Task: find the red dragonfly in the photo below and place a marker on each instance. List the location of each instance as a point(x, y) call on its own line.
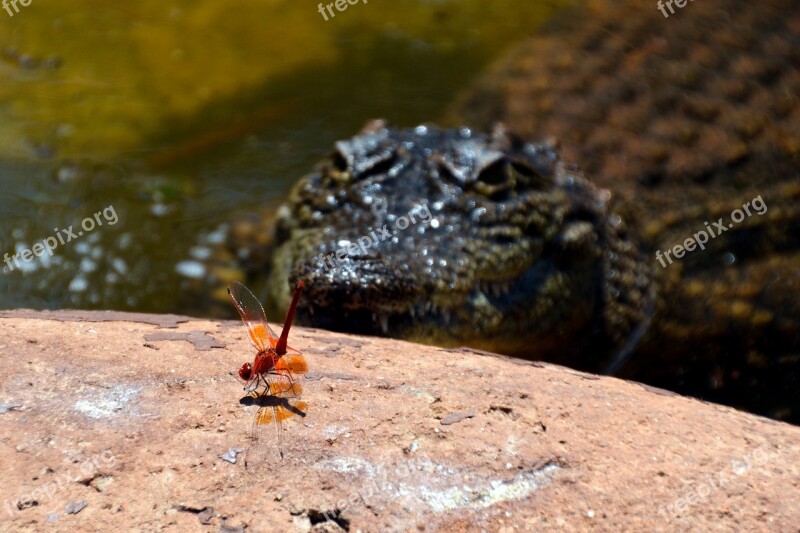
point(274, 381)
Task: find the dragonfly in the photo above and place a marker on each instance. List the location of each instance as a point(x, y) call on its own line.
point(274, 380)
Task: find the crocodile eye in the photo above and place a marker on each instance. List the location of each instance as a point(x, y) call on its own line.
point(495, 174)
point(523, 169)
point(495, 180)
point(527, 176)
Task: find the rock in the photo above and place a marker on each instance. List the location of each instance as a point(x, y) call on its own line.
point(74, 507)
point(387, 443)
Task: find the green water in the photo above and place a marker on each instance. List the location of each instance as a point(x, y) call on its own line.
point(179, 117)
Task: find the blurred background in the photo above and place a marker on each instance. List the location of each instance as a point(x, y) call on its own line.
point(185, 116)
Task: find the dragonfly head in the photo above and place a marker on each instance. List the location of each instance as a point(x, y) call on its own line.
point(246, 371)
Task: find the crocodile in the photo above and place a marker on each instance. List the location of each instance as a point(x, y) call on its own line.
point(650, 131)
point(516, 253)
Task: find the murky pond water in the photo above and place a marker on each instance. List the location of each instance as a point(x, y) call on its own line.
point(167, 120)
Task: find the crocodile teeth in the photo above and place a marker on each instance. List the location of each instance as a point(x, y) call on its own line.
point(446, 315)
point(495, 289)
point(384, 318)
point(413, 312)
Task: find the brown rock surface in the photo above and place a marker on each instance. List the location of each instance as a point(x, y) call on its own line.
point(110, 423)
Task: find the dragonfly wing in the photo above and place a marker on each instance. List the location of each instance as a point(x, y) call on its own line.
point(290, 409)
point(263, 438)
point(279, 413)
point(273, 408)
point(285, 387)
point(291, 363)
point(249, 308)
point(273, 412)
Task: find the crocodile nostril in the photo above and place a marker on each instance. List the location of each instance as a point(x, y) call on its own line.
point(339, 162)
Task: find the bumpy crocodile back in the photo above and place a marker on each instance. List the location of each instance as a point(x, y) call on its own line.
point(710, 92)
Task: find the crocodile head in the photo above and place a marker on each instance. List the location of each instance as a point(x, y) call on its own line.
point(454, 237)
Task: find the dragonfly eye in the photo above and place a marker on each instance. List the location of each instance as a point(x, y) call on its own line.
point(246, 371)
